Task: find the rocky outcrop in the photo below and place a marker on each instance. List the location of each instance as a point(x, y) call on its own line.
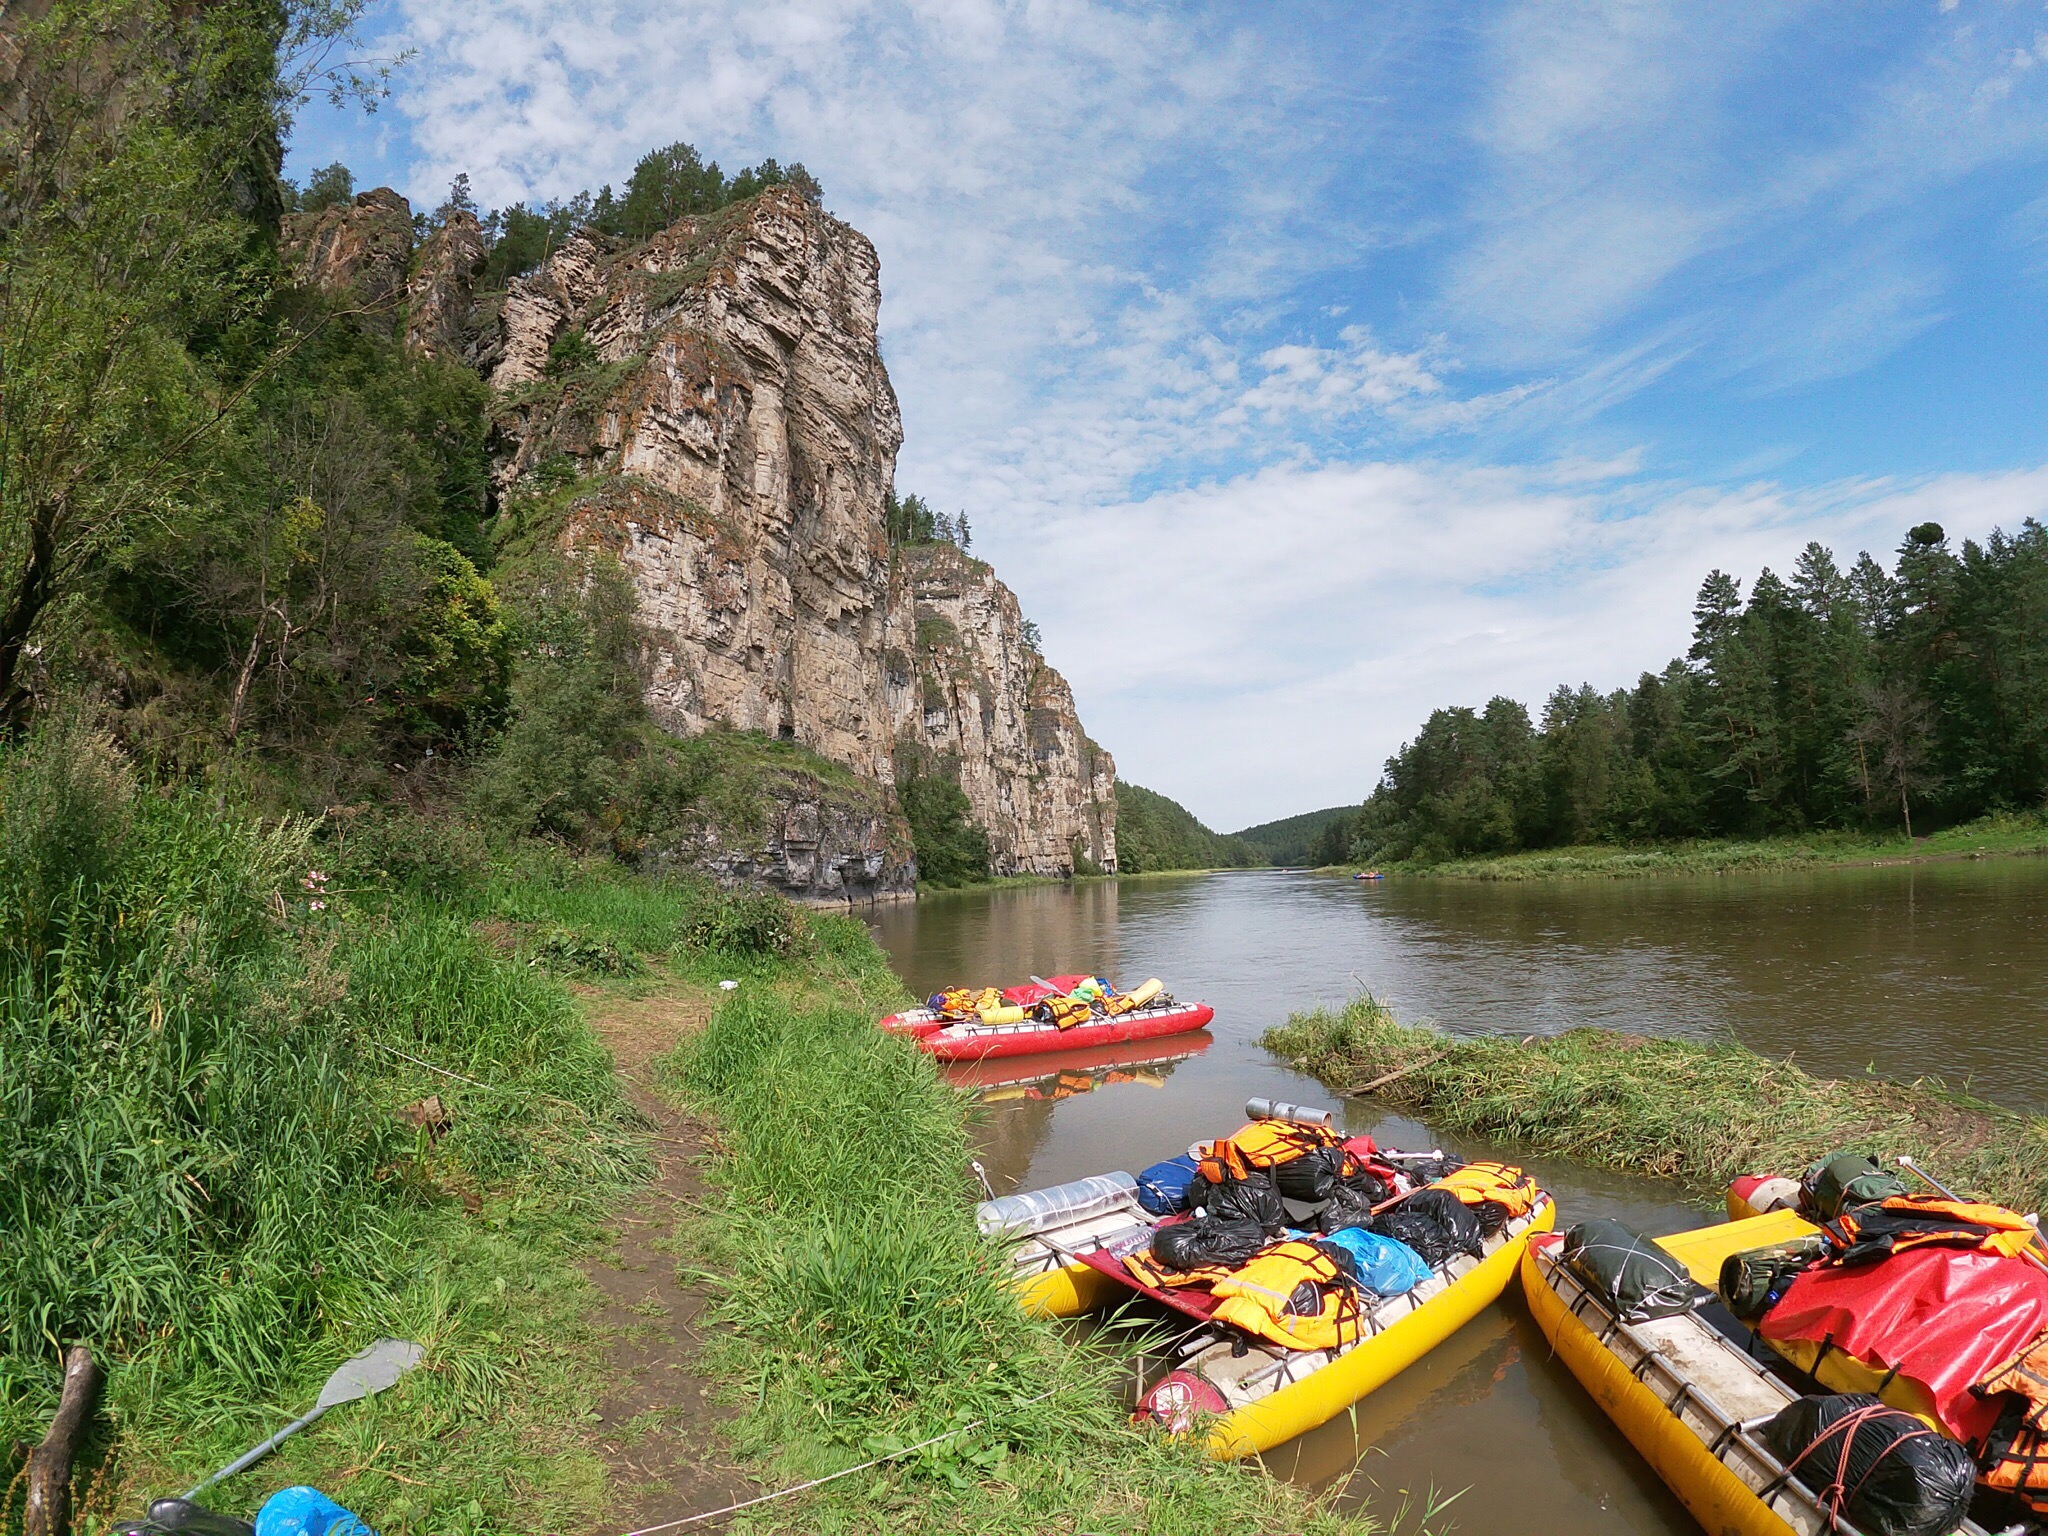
point(812, 839)
point(358, 251)
point(710, 407)
point(988, 706)
point(439, 289)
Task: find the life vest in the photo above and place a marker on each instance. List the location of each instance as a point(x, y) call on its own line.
point(1868, 1233)
point(966, 1002)
point(1221, 1161)
point(1494, 1183)
point(1268, 1144)
point(2014, 1456)
point(1066, 1012)
point(1150, 1271)
point(1294, 1294)
point(1124, 1002)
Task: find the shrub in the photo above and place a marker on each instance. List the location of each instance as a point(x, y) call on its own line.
point(749, 923)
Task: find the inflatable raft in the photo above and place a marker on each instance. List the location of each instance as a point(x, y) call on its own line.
point(1686, 1396)
point(1244, 1395)
point(1232, 1380)
point(975, 1040)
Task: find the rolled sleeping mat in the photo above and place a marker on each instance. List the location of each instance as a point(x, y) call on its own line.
point(1297, 1114)
point(1146, 991)
point(1036, 1210)
point(1010, 1014)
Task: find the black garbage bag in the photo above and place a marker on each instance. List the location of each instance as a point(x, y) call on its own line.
point(1882, 1470)
point(1186, 1245)
point(1311, 1177)
point(1836, 1184)
point(1435, 1223)
point(1424, 1167)
point(1348, 1207)
point(1636, 1278)
point(1251, 1198)
point(1754, 1281)
point(1364, 1181)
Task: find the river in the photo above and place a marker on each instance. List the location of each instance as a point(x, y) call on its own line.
point(1939, 968)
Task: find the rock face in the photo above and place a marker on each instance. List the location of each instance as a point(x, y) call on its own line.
point(710, 407)
point(438, 289)
point(359, 251)
point(989, 707)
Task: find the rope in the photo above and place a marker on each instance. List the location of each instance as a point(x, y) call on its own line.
point(816, 1482)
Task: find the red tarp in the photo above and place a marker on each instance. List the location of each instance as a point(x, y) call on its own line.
point(1942, 1317)
point(1196, 1301)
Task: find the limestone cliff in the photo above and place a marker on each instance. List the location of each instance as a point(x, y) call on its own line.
point(359, 251)
point(1003, 721)
point(710, 406)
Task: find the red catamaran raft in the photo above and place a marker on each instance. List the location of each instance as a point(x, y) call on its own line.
point(1025, 1020)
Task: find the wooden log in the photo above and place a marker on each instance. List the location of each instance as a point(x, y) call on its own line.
point(49, 1465)
point(1360, 1089)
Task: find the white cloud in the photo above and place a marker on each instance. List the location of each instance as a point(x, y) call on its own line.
point(1272, 640)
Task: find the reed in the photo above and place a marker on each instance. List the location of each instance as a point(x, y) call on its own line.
point(1699, 1112)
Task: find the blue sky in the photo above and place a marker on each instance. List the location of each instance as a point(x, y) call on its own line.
point(1306, 367)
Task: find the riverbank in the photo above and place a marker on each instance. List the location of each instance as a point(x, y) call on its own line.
point(1701, 1114)
point(860, 1312)
point(1988, 837)
point(633, 1311)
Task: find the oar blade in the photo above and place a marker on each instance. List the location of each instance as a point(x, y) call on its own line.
point(371, 1371)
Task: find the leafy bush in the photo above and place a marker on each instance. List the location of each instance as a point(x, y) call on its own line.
point(389, 847)
point(749, 923)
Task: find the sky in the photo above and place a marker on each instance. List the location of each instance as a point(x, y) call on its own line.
point(1305, 368)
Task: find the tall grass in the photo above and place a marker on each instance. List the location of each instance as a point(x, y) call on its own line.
point(203, 1049)
point(1700, 1112)
point(866, 1313)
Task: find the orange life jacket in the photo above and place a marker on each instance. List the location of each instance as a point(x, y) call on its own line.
point(1500, 1183)
point(2014, 1456)
point(1066, 1012)
point(1866, 1233)
point(1220, 1162)
point(1151, 1272)
point(1268, 1296)
point(1270, 1143)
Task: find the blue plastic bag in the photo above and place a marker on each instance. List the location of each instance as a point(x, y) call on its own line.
point(1385, 1267)
point(306, 1511)
point(1163, 1188)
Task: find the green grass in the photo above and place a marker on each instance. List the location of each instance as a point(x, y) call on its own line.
point(865, 1313)
point(208, 1179)
point(1986, 837)
point(1700, 1113)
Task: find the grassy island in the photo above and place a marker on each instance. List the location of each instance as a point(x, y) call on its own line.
point(1700, 1113)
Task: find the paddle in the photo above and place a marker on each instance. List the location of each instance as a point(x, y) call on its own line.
point(360, 1376)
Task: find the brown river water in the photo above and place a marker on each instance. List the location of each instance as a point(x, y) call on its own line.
point(1903, 971)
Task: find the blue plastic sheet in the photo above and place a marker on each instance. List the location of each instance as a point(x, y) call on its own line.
point(1385, 1267)
point(306, 1511)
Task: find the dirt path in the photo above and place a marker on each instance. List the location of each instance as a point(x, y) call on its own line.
point(659, 1416)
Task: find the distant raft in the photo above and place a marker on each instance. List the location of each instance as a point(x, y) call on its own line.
point(1059, 1013)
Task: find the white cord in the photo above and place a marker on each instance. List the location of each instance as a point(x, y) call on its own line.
point(783, 1493)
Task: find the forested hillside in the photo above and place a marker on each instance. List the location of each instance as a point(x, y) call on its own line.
point(1296, 839)
point(1154, 833)
point(1908, 698)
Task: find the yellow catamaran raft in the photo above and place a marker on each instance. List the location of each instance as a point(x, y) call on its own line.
point(1691, 1400)
point(1288, 1337)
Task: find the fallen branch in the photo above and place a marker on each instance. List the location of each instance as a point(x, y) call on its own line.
point(49, 1465)
point(1361, 1089)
